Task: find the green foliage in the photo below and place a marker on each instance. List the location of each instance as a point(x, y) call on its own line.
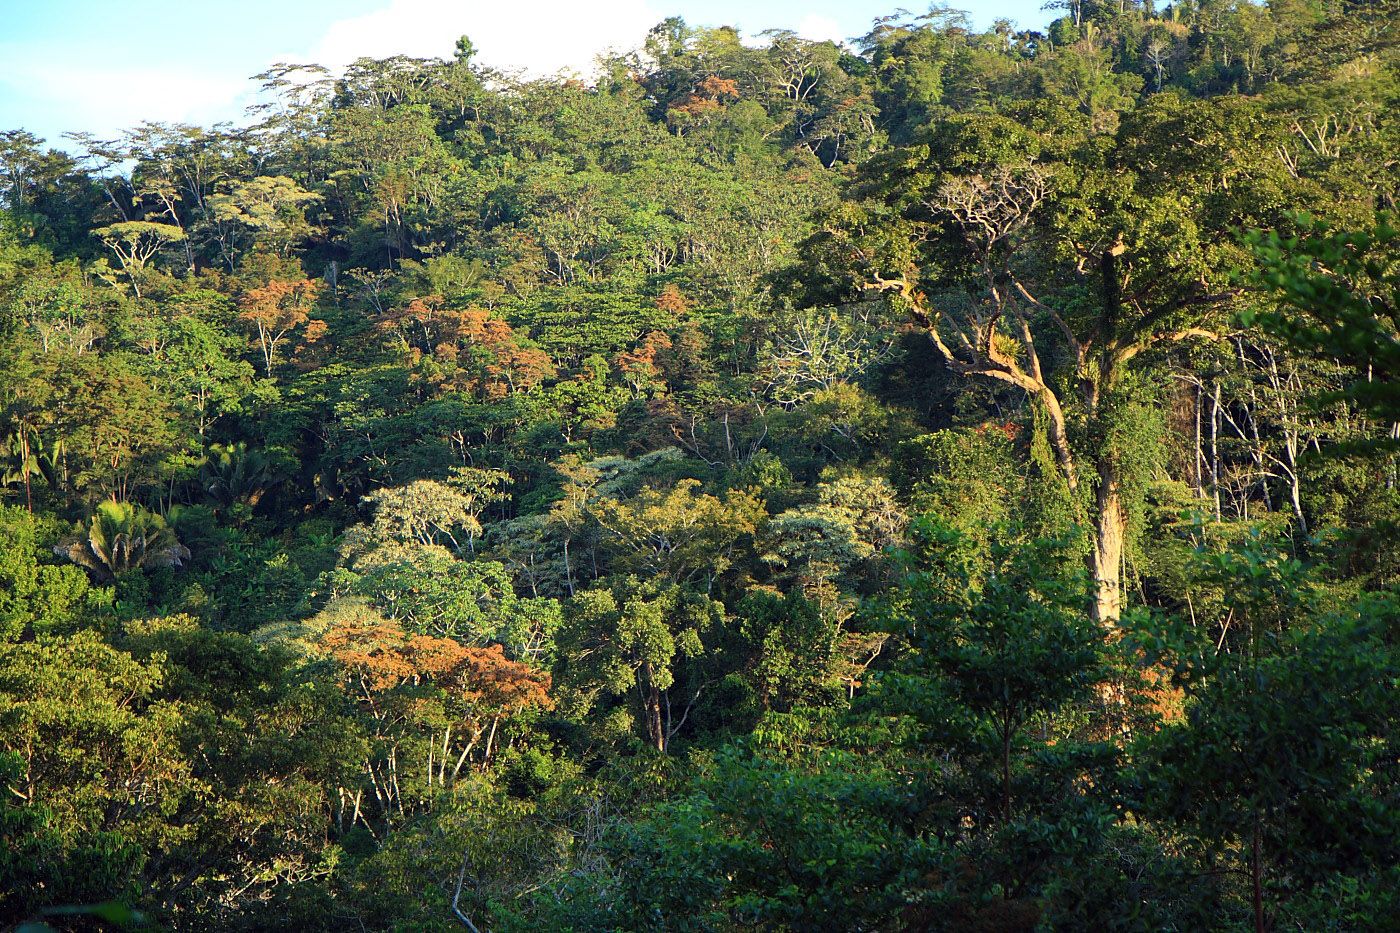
point(496, 499)
point(1275, 766)
point(636, 638)
point(77, 713)
point(1341, 290)
point(1004, 643)
point(233, 475)
point(794, 650)
point(681, 534)
point(37, 597)
point(434, 593)
point(760, 841)
point(121, 538)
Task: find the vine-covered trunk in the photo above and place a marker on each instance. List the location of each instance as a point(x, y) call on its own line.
point(1109, 520)
point(656, 732)
point(1106, 559)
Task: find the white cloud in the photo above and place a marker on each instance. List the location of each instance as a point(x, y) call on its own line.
point(540, 36)
point(820, 28)
point(106, 98)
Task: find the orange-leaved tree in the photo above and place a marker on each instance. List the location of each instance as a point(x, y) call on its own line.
point(276, 310)
point(474, 351)
point(431, 702)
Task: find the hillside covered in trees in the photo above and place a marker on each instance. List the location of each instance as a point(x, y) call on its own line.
point(947, 482)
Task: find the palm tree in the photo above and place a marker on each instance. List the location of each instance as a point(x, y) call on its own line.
point(122, 537)
point(23, 457)
point(232, 474)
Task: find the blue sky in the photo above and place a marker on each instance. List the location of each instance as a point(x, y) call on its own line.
point(102, 65)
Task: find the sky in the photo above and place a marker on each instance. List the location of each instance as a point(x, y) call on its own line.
point(100, 66)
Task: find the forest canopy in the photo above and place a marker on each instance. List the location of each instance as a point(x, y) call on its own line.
point(942, 481)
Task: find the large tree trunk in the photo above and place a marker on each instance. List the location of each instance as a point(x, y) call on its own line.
point(1058, 436)
point(1110, 522)
point(1109, 519)
point(1106, 560)
point(656, 733)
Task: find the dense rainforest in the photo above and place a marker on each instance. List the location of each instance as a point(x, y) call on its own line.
point(946, 482)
